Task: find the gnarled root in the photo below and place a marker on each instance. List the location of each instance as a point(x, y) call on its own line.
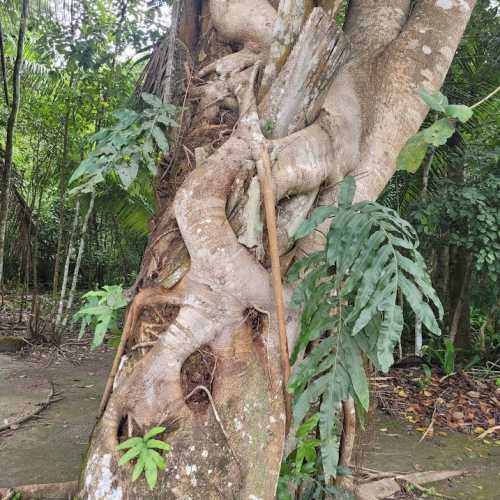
point(222, 283)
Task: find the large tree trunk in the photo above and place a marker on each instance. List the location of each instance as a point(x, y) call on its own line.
point(336, 104)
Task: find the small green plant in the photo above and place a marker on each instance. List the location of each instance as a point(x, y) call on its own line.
point(443, 353)
point(268, 127)
point(437, 134)
point(349, 297)
point(304, 463)
point(126, 146)
point(144, 451)
point(427, 378)
point(101, 311)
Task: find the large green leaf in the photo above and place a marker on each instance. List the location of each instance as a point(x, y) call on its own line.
point(318, 216)
point(413, 153)
point(439, 132)
point(435, 100)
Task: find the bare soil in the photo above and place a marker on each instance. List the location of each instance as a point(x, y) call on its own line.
point(396, 447)
point(48, 448)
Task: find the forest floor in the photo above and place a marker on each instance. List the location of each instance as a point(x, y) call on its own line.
point(50, 448)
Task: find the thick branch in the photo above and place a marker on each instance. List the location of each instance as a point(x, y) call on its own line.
point(372, 24)
point(244, 21)
point(298, 93)
point(419, 57)
point(292, 15)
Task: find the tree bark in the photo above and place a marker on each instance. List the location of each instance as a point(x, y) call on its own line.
point(3, 68)
point(81, 248)
point(11, 125)
point(199, 285)
point(62, 192)
point(60, 307)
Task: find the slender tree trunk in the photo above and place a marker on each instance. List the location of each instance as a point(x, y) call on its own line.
point(460, 322)
point(9, 142)
point(3, 68)
point(81, 248)
point(62, 192)
point(341, 102)
point(423, 195)
point(60, 307)
point(35, 305)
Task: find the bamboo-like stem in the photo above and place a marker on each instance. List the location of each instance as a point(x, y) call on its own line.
point(78, 259)
point(264, 172)
point(66, 269)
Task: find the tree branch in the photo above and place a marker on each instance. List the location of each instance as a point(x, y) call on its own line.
point(372, 24)
point(244, 21)
point(297, 94)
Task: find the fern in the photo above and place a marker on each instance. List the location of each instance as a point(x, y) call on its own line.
point(348, 292)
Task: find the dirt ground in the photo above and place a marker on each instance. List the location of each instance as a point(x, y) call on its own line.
point(396, 446)
point(50, 448)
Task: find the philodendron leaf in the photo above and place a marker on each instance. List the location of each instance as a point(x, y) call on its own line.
point(318, 216)
point(130, 443)
point(132, 453)
point(412, 155)
point(151, 470)
point(159, 445)
point(434, 100)
point(347, 190)
point(138, 469)
point(158, 459)
point(459, 111)
point(152, 100)
point(439, 132)
point(160, 139)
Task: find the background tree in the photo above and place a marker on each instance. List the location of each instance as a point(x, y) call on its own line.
point(11, 124)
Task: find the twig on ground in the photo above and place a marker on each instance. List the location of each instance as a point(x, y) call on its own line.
point(489, 431)
point(13, 424)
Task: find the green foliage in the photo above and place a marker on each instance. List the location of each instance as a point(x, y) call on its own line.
point(413, 153)
point(303, 464)
point(144, 450)
point(126, 146)
point(443, 353)
point(101, 311)
point(348, 294)
point(466, 216)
